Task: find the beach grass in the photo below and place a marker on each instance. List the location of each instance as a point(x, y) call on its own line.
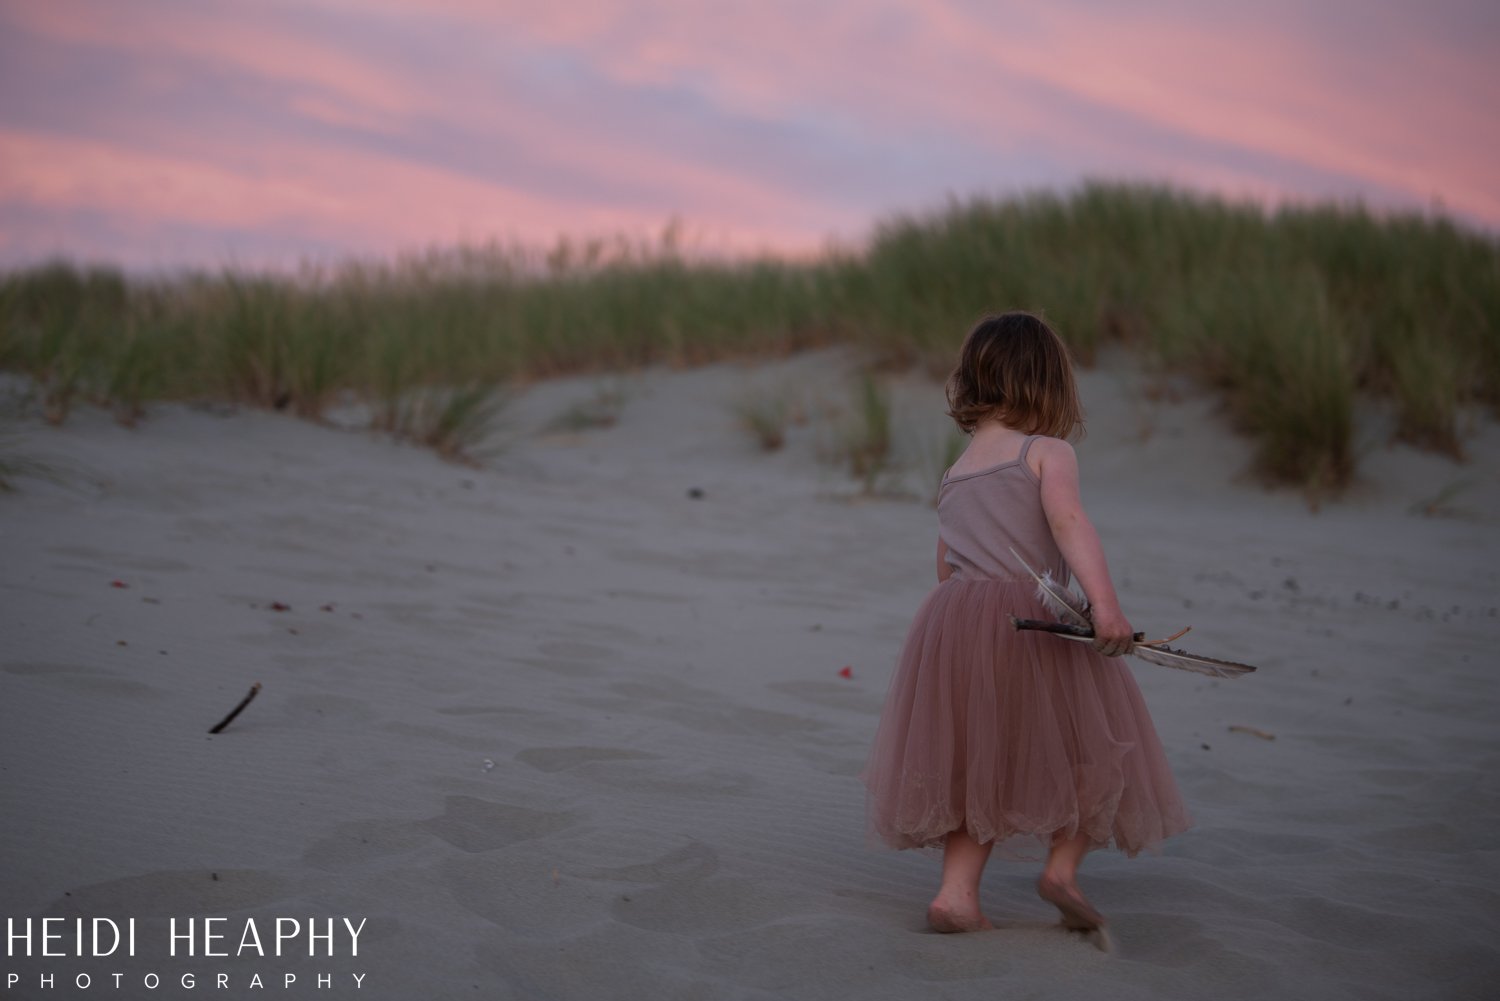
point(602, 410)
point(866, 439)
point(455, 422)
point(16, 463)
point(764, 415)
point(1289, 314)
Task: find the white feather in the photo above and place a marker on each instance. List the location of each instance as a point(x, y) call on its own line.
point(1060, 601)
point(1074, 610)
point(1184, 661)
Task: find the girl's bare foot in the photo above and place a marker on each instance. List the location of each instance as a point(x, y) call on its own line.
point(1077, 913)
point(956, 906)
point(954, 916)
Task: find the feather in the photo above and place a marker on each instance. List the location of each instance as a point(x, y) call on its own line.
point(1182, 660)
point(1077, 625)
point(1152, 653)
point(1059, 600)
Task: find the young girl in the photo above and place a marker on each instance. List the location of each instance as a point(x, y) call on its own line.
point(994, 736)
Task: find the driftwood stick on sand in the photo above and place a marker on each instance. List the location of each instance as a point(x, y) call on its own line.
point(237, 709)
point(1251, 730)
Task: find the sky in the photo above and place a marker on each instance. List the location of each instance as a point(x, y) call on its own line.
point(160, 134)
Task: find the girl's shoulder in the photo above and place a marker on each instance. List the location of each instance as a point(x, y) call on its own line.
point(1048, 444)
point(1043, 449)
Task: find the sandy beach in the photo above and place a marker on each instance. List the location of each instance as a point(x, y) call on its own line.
point(576, 723)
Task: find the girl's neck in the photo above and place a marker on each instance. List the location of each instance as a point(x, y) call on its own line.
point(991, 444)
point(993, 428)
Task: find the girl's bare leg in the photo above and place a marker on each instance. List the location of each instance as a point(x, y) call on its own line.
point(1058, 884)
point(956, 906)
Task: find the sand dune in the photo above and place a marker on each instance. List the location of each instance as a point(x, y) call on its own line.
point(573, 725)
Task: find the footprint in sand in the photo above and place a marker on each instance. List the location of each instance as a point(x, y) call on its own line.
point(469, 824)
point(477, 825)
point(698, 908)
point(691, 862)
point(684, 894)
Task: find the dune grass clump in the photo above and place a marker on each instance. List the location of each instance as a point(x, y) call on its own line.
point(602, 410)
point(15, 464)
point(1273, 346)
point(1427, 407)
point(765, 416)
point(1321, 302)
point(278, 345)
point(1404, 307)
point(866, 444)
point(454, 422)
point(1420, 303)
point(52, 316)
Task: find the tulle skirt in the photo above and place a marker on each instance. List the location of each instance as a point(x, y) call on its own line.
point(1018, 737)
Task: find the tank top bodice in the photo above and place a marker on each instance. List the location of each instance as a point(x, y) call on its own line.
point(984, 514)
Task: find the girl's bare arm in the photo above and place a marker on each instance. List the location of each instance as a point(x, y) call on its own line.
point(944, 571)
point(1080, 545)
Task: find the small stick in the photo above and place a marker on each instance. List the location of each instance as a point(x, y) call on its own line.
point(237, 709)
point(1253, 731)
point(1062, 628)
point(1071, 631)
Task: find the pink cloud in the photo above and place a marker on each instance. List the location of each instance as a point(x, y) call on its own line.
point(220, 33)
point(1270, 90)
point(357, 198)
point(1396, 111)
point(326, 195)
point(524, 120)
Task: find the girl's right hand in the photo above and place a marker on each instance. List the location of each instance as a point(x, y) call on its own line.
point(1112, 633)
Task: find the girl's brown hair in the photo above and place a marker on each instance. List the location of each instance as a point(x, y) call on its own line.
point(1015, 368)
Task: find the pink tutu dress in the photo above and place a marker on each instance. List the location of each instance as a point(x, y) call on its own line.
point(1016, 736)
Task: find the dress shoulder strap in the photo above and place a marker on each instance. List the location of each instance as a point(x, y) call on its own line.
point(1026, 447)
